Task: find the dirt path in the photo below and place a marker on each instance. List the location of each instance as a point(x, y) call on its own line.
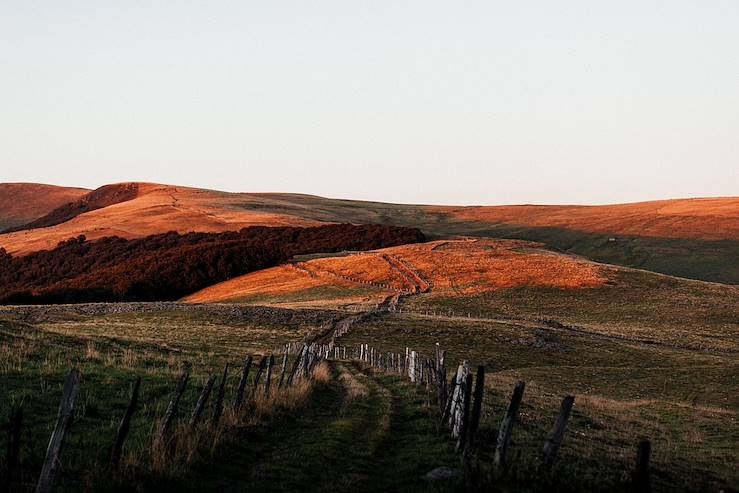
point(359, 432)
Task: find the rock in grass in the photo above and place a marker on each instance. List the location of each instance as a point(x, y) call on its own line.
point(441, 474)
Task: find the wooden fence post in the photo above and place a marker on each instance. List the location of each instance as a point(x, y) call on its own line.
point(242, 383)
point(296, 364)
point(202, 400)
point(258, 377)
point(63, 421)
point(14, 448)
point(506, 426)
point(458, 398)
point(171, 411)
point(554, 442)
point(218, 408)
point(477, 406)
point(268, 376)
point(642, 482)
point(283, 370)
point(115, 451)
point(441, 397)
point(449, 398)
point(464, 426)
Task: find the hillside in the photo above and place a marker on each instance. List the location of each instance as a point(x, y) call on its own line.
point(444, 268)
point(692, 238)
point(154, 209)
point(21, 203)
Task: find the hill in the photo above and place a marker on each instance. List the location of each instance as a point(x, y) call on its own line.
point(692, 238)
point(147, 209)
point(459, 267)
point(23, 202)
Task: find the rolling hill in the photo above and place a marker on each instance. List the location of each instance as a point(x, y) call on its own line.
point(692, 238)
point(460, 267)
point(21, 203)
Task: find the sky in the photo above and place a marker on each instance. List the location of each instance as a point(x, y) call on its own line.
point(474, 102)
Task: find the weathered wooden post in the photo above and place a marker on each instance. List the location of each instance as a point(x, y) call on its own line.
point(412, 366)
point(642, 481)
point(243, 381)
point(258, 377)
point(268, 376)
point(282, 371)
point(171, 411)
point(441, 397)
point(477, 406)
point(14, 448)
point(464, 425)
point(63, 421)
point(506, 426)
point(458, 398)
point(446, 415)
point(296, 364)
point(200, 405)
point(125, 425)
point(218, 408)
point(554, 442)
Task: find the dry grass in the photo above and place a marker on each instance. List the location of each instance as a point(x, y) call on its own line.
point(455, 267)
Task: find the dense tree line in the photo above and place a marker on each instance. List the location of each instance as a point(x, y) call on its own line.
point(168, 266)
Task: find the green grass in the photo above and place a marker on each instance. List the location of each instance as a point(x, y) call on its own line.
point(684, 400)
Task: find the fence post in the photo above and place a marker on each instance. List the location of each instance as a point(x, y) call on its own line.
point(477, 406)
point(295, 365)
point(554, 442)
point(449, 398)
point(464, 426)
point(115, 452)
point(174, 402)
point(242, 382)
point(457, 398)
point(14, 448)
point(283, 370)
point(642, 482)
point(218, 409)
point(268, 376)
point(200, 405)
point(63, 421)
point(506, 426)
point(258, 377)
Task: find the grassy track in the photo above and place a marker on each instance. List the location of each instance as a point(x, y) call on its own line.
point(357, 432)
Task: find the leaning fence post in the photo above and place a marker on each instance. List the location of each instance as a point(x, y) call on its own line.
point(242, 383)
point(63, 421)
point(200, 405)
point(14, 448)
point(172, 407)
point(115, 452)
point(268, 376)
point(554, 442)
point(464, 425)
point(218, 409)
point(477, 406)
point(258, 377)
point(282, 372)
point(642, 483)
point(296, 363)
point(449, 398)
point(506, 426)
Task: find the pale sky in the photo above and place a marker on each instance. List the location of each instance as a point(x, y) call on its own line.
point(469, 102)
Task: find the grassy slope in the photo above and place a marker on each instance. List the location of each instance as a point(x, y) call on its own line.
point(709, 260)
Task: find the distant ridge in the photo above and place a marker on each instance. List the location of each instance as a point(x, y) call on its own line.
point(21, 203)
point(97, 199)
